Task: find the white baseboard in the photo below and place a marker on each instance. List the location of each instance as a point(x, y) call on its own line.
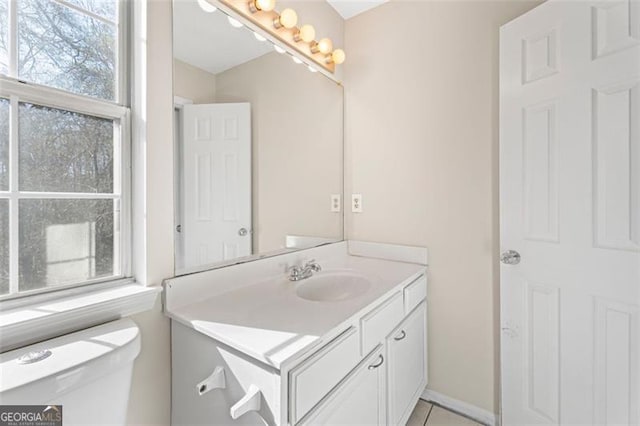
point(478, 414)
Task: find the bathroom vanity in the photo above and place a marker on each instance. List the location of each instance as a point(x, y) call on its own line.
point(344, 346)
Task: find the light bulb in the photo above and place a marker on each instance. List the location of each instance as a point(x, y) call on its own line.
point(288, 19)
point(306, 33)
point(206, 6)
point(278, 48)
point(338, 56)
point(264, 5)
point(296, 60)
point(234, 23)
point(259, 37)
point(312, 69)
point(325, 45)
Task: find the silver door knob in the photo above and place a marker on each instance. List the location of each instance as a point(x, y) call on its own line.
point(510, 257)
point(242, 232)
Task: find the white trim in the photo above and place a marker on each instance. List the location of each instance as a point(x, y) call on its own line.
point(138, 88)
point(85, 12)
point(179, 102)
point(60, 99)
point(14, 231)
point(398, 253)
point(29, 323)
point(63, 195)
point(468, 410)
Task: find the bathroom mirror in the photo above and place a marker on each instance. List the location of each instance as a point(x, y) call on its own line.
point(258, 145)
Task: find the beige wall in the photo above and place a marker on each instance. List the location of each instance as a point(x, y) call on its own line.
point(422, 147)
point(149, 403)
point(193, 83)
point(297, 147)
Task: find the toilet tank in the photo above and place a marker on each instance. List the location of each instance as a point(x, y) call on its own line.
point(87, 372)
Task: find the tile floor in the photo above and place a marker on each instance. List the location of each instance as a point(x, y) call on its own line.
point(427, 414)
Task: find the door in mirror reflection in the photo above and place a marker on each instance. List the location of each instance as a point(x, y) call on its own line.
point(215, 215)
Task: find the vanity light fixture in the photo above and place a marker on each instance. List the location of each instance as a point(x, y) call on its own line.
point(234, 23)
point(305, 33)
point(296, 60)
point(206, 6)
point(337, 57)
point(281, 28)
point(263, 5)
point(288, 18)
point(312, 69)
point(324, 46)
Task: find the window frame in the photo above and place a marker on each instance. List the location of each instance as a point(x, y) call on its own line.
point(18, 91)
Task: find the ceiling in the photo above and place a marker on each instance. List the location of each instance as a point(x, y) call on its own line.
point(207, 40)
point(350, 8)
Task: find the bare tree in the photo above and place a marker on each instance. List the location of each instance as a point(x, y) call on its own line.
point(60, 151)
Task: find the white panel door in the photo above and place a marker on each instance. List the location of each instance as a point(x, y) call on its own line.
point(570, 206)
point(216, 182)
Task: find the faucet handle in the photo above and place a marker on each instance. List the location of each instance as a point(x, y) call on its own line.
point(315, 267)
point(294, 269)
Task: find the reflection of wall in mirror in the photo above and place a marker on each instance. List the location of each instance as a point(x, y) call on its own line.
point(297, 143)
point(193, 83)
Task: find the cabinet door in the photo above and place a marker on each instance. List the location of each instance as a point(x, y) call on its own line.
point(358, 400)
point(407, 365)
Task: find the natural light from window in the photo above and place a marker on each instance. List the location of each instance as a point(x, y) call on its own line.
point(63, 144)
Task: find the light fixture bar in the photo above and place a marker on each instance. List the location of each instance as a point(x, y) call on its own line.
point(283, 28)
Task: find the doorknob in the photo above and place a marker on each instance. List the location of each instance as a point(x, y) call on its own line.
point(510, 257)
point(242, 232)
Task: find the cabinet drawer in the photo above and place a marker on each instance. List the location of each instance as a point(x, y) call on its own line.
point(316, 376)
point(377, 324)
point(415, 293)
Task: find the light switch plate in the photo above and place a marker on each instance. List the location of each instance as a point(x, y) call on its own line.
point(356, 203)
point(336, 203)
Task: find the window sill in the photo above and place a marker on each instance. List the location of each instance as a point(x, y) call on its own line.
point(41, 320)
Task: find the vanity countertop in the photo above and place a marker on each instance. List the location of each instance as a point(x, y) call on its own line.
point(269, 322)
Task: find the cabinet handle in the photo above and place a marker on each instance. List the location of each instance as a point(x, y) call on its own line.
point(215, 381)
point(373, 366)
point(403, 334)
point(251, 401)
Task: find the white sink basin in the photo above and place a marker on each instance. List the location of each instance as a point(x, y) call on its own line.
point(332, 286)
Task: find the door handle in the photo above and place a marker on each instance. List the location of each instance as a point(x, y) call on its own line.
point(510, 257)
point(242, 232)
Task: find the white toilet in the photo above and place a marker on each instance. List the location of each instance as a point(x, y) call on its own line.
point(87, 372)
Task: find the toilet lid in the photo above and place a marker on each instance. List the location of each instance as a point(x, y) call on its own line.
point(70, 360)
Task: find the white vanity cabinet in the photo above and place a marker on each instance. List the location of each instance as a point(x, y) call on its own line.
point(370, 369)
point(406, 365)
point(359, 400)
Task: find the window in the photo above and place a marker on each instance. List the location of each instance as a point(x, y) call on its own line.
point(64, 180)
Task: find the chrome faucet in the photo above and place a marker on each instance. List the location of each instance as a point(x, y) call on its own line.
point(297, 273)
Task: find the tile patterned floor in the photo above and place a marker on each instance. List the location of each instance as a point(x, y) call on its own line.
point(427, 414)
